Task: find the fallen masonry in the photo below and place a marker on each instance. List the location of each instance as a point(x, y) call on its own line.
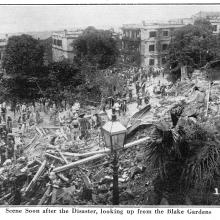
point(78, 172)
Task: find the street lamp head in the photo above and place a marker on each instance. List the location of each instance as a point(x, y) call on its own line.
point(114, 134)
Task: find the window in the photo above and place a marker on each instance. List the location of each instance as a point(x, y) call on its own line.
point(59, 43)
point(163, 60)
point(153, 34)
point(151, 62)
point(214, 27)
point(165, 33)
point(151, 48)
point(164, 46)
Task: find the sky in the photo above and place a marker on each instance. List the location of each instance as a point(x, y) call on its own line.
point(24, 18)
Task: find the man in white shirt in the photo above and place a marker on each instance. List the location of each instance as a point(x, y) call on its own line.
point(117, 107)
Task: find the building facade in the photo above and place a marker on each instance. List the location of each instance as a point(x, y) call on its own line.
point(62, 48)
point(147, 44)
point(131, 44)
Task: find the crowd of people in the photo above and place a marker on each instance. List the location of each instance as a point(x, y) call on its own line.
point(74, 122)
point(134, 78)
point(10, 143)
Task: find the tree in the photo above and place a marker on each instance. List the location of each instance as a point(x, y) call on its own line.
point(192, 46)
point(187, 159)
point(23, 60)
point(95, 51)
point(62, 82)
point(97, 47)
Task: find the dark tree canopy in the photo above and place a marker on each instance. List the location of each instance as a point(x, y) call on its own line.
point(23, 59)
point(62, 81)
point(97, 47)
point(193, 45)
point(23, 54)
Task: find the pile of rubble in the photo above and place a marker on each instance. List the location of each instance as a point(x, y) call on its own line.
point(57, 170)
point(70, 172)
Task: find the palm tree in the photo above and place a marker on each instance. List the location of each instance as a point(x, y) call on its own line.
point(186, 157)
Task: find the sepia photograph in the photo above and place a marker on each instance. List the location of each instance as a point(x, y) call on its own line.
point(110, 104)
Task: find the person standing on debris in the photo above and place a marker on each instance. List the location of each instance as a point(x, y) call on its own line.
point(21, 129)
point(163, 90)
point(2, 151)
point(124, 106)
point(147, 97)
point(18, 146)
point(143, 86)
point(84, 126)
point(23, 108)
point(37, 117)
point(9, 124)
point(76, 106)
point(61, 117)
point(139, 100)
point(75, 128)
point(103, 104)
point(117, 107)
point(137, 87)
point(3, 111)
point(10, 147)
point(130, 88)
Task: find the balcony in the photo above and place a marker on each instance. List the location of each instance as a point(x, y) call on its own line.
point(125, 38)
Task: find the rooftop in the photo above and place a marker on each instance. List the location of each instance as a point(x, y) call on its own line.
point(151, 25)
point(69, 33)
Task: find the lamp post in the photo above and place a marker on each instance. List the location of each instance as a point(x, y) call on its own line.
point(114, 136)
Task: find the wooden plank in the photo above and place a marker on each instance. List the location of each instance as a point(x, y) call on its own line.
point(77, 163)
point(54, 157)
point(36, 176)
point(39, 131)
point(107, 150)
point(135, 143)
point(32, 140)
point(62, 156)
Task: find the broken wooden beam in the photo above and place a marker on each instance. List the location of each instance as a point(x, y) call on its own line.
point(39, 131)
point(54, 157)
point(62, 177)
point(32, 140)
point(107, 150)
point(135, 143)
point(62, 156)
point(5, 197)
point(36, 176)
point(77, 163)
